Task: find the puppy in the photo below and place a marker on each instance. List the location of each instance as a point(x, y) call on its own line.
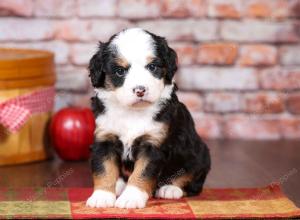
point(145, 140)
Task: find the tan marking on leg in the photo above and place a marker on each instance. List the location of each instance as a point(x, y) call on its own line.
point(181, 181)
point(107, 180)
point(138, 180)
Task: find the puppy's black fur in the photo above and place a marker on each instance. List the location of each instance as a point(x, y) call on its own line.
point(182, 152)
point(183, 149)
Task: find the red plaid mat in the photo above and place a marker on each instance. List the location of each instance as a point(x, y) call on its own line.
point(262, 203)
point(15, 112)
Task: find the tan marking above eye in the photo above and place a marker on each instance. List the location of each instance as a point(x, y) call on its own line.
point(150, 59)
point(122, 62)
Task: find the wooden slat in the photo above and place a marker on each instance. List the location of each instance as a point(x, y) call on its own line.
point(20, 63)
point(46, 80)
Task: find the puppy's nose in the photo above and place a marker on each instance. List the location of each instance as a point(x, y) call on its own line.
point(139, 91)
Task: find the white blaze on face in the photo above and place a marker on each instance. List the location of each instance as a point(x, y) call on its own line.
point(136, 47)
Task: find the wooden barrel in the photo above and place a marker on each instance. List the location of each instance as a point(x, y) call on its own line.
point(25, 72)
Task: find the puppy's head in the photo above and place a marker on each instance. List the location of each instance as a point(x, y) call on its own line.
point(134, 67)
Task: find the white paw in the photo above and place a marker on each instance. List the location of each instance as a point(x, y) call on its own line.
point(169, 192)
point(101, 199)
point(131, 198)
point(120, 186)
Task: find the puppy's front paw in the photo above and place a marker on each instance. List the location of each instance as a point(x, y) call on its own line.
point(101, 199)
point(131, 198)
point(169, 192)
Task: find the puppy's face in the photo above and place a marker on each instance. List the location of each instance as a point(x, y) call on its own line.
point(134, 67)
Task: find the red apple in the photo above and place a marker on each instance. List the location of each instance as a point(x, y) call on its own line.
point(72, 132)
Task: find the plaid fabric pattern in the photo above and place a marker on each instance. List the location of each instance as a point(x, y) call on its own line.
point(69, 203)
point(15, 112)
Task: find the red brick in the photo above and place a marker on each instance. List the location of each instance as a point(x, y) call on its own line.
point(290, 55)
point(249, 127)
point(225, 8)
point(258, 55)
point(16, 7)
point(192, 100)
point(263, 102)
point(290, 128)
point(260, 31)
point(293, 103)
point(179, 29)
point(208, 126)
point(54, 8)
point(139, 8)
point(267, 8)
point(184, 8)
point(29, 29)
point(186, 52)
point(209, 78)
point(81, 53)
point(93, 8)
point(89, 30)
point(217, 53)
point(259, 9)
point(253, 8)
point(222, 102)
point(278, 78)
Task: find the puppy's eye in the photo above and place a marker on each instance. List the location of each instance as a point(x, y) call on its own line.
point(151, 67)
point(120, 71)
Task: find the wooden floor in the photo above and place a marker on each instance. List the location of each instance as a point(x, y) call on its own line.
point(234, 164)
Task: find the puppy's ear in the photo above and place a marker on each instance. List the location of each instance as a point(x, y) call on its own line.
point(96, 67)
point(169, 56)
point(172, 63)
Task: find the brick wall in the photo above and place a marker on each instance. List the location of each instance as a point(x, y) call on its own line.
point(239, 59)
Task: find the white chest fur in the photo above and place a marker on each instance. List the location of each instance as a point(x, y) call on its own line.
point(128, 124)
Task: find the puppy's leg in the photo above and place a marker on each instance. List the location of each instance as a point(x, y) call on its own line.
point(195, 186)
point(105, 160)
point(142, 181)
point(174, 190)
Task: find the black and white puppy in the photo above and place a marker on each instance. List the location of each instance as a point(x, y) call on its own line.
point(145, 140)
